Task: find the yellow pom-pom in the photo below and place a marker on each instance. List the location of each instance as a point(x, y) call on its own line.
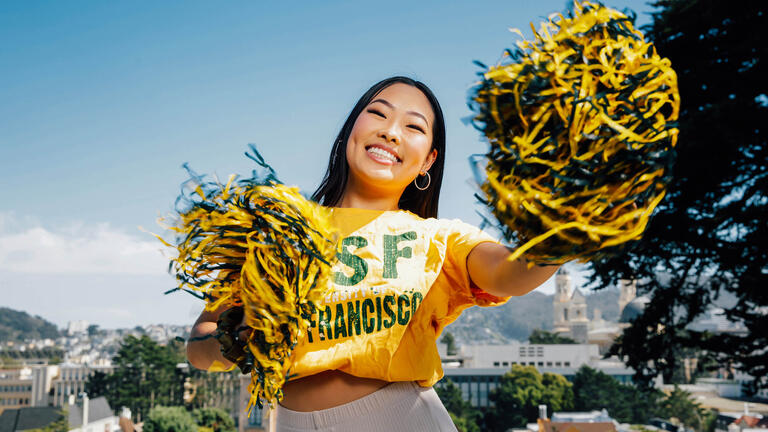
point(258, 244)
point(581, 127)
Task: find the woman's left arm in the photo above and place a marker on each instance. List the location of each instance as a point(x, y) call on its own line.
point(491, 271)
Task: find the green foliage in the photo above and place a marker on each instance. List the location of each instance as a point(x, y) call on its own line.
point(35, 353)
point(169, 419)
point(539, 336)
point(450, 341)
point(18, 326)
point(521, 391)
point(464, 415)
point(708, 236)
point(678, 404)
point(594, 390)
point(145, 376)
point(216, 419)
point(93, 330)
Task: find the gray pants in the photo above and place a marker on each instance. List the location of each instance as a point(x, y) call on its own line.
point(400, 406)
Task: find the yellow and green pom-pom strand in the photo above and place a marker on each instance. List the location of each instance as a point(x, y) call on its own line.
point(581, 126)
point(259, 244)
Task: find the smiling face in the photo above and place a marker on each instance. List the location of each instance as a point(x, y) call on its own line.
point(391, 141)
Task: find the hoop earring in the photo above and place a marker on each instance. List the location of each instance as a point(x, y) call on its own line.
point(429, 180)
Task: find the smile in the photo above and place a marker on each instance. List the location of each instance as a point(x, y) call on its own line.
point(380, 154)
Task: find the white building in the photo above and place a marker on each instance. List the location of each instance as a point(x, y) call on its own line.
point(478, 369)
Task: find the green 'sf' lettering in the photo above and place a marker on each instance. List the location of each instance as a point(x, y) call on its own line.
point(389, 301)
point(357, 264)
point(403, 309)
point(391, 253)
point(368, 323)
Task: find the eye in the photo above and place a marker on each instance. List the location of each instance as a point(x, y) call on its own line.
point(376, 112)
point(417, 127)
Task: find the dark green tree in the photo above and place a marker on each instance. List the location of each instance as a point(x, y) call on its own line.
point(464, 415)
point(594, 390)
point(450, 343)
point(93, 330)
point(145, 376)
point(169, 419)
point(519, 394)
point(708, 237)
point(539, 336)
point(679, 404)
point(215, 418)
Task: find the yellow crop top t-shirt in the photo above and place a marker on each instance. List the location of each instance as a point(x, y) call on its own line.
point(399, 280)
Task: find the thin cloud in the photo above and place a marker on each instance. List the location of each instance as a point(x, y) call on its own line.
point(78, 249)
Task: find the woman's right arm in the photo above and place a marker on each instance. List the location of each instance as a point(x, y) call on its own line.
point(206, 354)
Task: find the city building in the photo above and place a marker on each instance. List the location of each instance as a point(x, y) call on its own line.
point(477, 369)
point(29, 418)
point(570, 313)
point(91, 415)
point(71, 381)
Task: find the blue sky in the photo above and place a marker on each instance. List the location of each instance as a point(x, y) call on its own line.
point(101, 103)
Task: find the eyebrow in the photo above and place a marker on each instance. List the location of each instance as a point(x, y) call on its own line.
point(385, 102)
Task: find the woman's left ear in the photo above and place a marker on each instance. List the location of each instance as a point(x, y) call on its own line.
point(431, 157)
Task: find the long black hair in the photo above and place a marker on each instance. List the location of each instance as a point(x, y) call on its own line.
point(423, 203)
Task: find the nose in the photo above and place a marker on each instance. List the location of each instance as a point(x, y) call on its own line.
point(390, 133)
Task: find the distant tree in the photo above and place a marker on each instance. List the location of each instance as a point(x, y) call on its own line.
point(539, 336)
point(519, 394)
point(680, 405)
point(594, 390)
point(558, 392)
point(450, 343)
point(169, 419)
point(18, 326)
point(709, 235)
point(145, 376)
point(93, 330)
point(215, 418)
point(464, 415)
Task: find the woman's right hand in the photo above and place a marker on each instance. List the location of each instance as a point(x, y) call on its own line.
point(204, 349)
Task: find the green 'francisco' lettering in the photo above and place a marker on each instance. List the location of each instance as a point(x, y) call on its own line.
point(324, 322)
point(340, 328)
point(389, 301)
point(391, 253)
point(378, 313)
point(357, 264)
point(368, 324)
point(417, 298)
point(403, 309)
point(353, 316)
point(312, 324)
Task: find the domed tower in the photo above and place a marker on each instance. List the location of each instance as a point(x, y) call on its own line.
point(578, 317)
point(561, 301)
point(628, 293)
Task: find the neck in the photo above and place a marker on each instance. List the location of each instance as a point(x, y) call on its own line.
point(358, 196)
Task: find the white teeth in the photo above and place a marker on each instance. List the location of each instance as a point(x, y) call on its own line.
point(382, 153)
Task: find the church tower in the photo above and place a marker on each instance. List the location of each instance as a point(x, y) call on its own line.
point(561, 301)
point(628, 292)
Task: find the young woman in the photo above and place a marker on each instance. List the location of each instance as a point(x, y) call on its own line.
point(370, 359)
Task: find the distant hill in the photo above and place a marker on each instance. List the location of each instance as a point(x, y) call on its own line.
point(520, 315)
point(18, 326)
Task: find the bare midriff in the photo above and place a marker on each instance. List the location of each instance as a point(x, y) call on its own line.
point(327, 390)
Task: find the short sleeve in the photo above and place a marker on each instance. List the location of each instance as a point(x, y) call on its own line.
point(460, 238)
